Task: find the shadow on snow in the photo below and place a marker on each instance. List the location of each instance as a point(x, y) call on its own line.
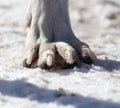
point(22, 89)
point(109, 65)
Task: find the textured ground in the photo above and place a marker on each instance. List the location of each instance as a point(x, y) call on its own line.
point(97, 22)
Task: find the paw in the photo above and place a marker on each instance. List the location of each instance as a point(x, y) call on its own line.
point(30, 55)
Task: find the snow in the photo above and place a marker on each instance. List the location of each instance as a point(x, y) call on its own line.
point(96, 86)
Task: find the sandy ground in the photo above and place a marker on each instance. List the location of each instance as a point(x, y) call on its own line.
point(96, 22)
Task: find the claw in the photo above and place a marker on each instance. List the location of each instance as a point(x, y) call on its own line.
point(25, 64)
point(49, 60)
point(89, 53)
point(88, 56)
point(31, 56)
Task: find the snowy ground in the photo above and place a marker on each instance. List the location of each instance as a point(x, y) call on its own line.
point(97, 22)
